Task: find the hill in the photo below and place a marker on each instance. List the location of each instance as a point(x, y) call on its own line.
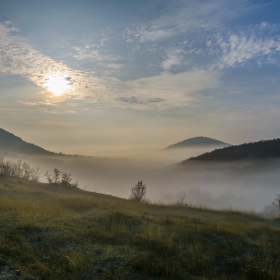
point(249, 151)
point(49, 231)
point(13, 144)
point(198, 142)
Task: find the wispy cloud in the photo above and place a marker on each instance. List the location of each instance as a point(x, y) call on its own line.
point(168, 90)
point(28, 103)
point(11, 27)
point(19, 58)
point(136, 100)
point(239, 49)
point(183, 16)
point(173, 58)
point(57, 123)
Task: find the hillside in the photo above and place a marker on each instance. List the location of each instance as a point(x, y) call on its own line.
point(198, 142)
point(13, 144)
point(249, 151)
point(50, 231)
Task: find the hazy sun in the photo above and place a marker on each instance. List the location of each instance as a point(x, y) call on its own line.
point(57, 83)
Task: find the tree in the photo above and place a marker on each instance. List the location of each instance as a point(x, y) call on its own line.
point(66, 179)
point(138, 192)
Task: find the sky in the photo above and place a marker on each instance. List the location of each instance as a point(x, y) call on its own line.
point(101, 77)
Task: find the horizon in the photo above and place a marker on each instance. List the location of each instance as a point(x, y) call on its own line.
point(84, 77)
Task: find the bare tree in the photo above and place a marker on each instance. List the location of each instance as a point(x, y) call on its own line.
point(182, 199)
point(66, 179)
point(60, 178)
point(56, 175)
point(49, 177)
point(138, 192)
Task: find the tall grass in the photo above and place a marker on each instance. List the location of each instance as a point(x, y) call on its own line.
point(54, 232)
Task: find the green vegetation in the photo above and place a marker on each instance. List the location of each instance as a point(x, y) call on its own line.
point(50, 231)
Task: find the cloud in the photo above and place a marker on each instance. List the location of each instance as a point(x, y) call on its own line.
point(155, 100)
point(28, 103)
point(242, 48)
point(19, 58)
point(160, 91)
point(57, 123)
point(10, 26)
point(136, 100)
point(167, 90)
point(131, 100)
point(173, 58)
point(184, 16)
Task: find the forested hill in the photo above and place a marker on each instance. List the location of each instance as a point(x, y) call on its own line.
point(248, 151)
point(13, 144)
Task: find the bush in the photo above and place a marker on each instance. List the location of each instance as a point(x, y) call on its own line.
point(61, 178)
point(18, 169)
point(138, 192)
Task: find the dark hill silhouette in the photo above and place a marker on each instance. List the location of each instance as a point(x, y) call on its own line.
point(198, 142)
point(13, 144)
point(249, 151)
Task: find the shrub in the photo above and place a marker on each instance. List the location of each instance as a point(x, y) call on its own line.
point(61, 178)
point(138, 192)
point(18, 169)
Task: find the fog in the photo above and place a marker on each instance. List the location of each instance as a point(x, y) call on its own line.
point(238, 186)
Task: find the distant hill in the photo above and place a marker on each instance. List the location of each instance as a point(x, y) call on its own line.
point(12, 144)
point(248, 151)
point(198, 142)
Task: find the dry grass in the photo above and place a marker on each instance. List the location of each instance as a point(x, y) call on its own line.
point(55, 232)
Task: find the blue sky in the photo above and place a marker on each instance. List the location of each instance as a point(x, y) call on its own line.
point(139, 73)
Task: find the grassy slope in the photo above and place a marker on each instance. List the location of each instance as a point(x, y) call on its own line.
point(50, 232)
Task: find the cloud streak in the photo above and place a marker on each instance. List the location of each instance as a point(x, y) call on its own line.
point(185, 16)
point(239, 49)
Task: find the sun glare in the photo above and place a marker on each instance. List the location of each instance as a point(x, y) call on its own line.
point(57, 83)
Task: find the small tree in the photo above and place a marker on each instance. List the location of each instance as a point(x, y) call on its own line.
point(56, 175)
point(138, 192)
point(66, 179)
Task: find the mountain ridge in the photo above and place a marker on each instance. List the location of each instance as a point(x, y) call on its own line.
point(13, 144)
point(197, 142)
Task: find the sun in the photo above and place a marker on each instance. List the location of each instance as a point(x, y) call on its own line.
point(57, 83)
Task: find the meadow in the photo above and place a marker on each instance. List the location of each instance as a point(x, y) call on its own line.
point(50, 231)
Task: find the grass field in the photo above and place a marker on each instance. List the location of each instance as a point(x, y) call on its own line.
point(56, 232)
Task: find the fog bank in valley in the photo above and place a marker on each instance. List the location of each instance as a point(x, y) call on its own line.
point(246, 186)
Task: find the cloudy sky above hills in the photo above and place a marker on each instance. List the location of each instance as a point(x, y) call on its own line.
point(81, 76)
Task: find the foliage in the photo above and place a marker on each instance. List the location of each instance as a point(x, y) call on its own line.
point(60, 178)
point(138, 192)
point(18, 169)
